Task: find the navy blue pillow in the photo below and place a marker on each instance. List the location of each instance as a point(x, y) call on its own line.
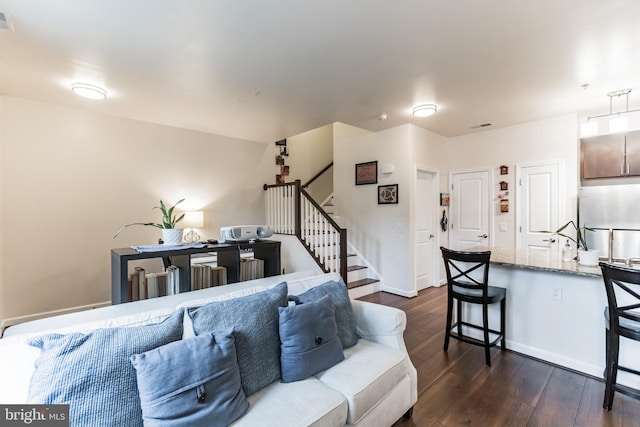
point(309, 339)
point(92, 372)
point(254, 319)
point(193, 382)
point(345, 318)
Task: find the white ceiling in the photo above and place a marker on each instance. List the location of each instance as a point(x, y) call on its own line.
point(265, 70)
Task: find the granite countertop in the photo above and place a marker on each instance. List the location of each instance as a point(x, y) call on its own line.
point(537, 260)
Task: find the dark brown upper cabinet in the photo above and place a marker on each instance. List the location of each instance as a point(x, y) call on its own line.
point(609, 156)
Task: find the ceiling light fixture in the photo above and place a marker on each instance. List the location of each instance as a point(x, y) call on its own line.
point(425, 110)
point(617, 123)
point(88, 91)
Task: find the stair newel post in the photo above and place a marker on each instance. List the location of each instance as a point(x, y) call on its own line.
point(298, 211)
point(343, 253)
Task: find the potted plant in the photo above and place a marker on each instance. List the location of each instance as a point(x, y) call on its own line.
point(586, 256)
point(170, 234)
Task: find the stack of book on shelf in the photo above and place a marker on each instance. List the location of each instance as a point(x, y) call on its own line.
point(251, 268)
point(144, 285)
point(204, 276)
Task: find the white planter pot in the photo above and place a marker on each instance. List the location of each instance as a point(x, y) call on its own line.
point(588, 258)
point(172, 236)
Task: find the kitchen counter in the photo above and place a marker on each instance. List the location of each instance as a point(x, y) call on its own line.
point(554, 311)
point(538, 260)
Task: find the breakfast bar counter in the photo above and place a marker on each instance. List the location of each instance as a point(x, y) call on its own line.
point(538, 260)
point(554, 311)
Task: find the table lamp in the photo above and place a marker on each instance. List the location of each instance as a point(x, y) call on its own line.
point(193, 219)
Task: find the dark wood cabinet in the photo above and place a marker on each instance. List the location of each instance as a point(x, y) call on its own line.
point(228, 256)
point(609, 156)
point(633, 153)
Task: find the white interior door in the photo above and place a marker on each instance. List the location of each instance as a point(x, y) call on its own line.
point(425, 220)
point(470, 209)
point(539, 206)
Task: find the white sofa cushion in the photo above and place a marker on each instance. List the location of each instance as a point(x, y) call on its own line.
point(366, 375)
point(302, 403)
point(298, 286)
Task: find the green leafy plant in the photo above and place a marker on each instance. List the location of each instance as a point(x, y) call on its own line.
point(169, 219)
point(580, 240)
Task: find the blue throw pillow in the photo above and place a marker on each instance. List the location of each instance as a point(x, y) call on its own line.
point(193, 382)
point(309, 339)
point(345, 318)
point(254, 319)
point(92, 372)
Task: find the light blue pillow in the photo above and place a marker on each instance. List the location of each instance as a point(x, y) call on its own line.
point(254, 319)
point(345, 318)
point(93, 374)
point(309, 339)
point(193, 382)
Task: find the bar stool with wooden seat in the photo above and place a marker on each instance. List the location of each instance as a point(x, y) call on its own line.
point(468, 281)
point(622, 319)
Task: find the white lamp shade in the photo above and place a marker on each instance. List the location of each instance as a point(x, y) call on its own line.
point(193, 219)
point(619, 124)
point(589, 129)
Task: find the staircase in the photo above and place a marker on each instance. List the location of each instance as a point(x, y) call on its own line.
point(292, 211)
point(360, 279)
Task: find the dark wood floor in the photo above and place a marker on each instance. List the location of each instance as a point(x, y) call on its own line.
point(457, 389)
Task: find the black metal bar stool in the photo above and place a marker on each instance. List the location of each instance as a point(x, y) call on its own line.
point(468, 281)
point(622, 319)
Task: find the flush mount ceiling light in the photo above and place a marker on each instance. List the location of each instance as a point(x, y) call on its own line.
point(88, 91)
point(619, 121)
point(425, 110)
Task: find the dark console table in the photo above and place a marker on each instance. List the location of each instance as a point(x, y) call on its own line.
point(228, 256)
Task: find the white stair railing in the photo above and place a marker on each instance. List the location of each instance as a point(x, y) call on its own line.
point(291, 210)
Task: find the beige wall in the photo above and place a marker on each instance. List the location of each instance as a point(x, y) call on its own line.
point(309, 153)
point(71, 178)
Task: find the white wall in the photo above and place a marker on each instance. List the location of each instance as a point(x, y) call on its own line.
point(71, 178)
point(383, 233)
point(551, 139)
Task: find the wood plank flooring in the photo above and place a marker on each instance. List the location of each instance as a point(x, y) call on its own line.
point(457, 389)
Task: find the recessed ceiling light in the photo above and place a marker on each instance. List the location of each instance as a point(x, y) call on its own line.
point(88, 91)
point(424, 110)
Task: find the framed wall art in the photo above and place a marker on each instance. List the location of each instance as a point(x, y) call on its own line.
point(367, 173)
point(388, 194)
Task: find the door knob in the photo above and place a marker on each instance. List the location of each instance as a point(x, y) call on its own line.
point(431, 236)
point(484, 236)
point(552, 240)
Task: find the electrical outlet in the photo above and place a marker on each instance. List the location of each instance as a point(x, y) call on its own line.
point(556, 293)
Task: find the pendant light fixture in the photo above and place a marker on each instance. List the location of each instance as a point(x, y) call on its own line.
point(618, 122)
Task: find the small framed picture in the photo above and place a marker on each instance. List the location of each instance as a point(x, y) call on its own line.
point(444, 199)
point(388, 194)
point(367, 173)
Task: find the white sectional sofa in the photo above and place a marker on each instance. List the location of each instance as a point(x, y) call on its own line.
point(375, 384)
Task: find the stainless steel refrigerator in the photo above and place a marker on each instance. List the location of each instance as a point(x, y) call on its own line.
point(616, 208)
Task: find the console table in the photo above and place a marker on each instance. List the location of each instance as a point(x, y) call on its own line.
point(228, 256)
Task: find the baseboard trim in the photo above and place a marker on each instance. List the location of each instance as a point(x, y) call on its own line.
point(401, 292)
point(10, 321)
